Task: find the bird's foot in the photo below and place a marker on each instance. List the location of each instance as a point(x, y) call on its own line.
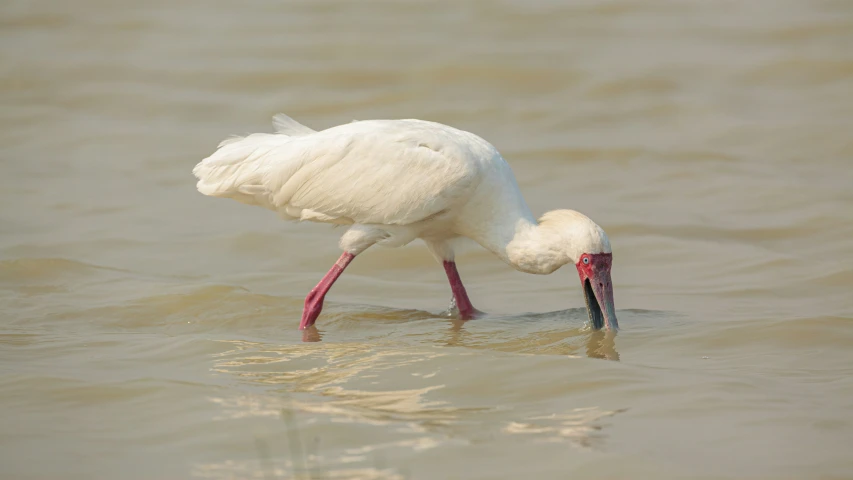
point(471, 314)
point(313, 307)
point(468, 312)
point(311, 334)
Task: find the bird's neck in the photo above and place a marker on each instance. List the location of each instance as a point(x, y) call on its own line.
point(536, 247)
point(526, 244)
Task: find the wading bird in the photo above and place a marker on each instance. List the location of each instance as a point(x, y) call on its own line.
point(394, 181)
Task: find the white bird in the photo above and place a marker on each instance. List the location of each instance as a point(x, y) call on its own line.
point(394, 181)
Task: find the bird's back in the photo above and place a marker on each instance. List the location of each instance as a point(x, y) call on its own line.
point(386, 172)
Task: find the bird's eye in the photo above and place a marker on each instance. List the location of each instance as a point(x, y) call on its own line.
point(586, 260)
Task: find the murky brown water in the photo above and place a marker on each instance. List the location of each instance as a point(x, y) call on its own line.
point(150, 332)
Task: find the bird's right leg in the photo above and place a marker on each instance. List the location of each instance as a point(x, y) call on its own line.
point(460, 298)
point(443, 252)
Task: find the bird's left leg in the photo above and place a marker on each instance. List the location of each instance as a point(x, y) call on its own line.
point(314, 300)
point(357, 239)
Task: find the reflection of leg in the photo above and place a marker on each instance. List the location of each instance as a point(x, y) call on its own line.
point(314, 300)
point(460, 296)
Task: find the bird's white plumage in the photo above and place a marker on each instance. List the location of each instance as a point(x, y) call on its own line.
point(397, 180)
point(371, 172)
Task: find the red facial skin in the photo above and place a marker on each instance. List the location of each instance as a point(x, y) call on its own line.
point(598, 262)
point(596, 268)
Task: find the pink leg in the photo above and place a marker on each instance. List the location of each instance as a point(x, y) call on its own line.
point(314, 300)
point(460, 296)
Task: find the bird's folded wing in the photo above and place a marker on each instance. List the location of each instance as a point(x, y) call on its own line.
point(360, 175)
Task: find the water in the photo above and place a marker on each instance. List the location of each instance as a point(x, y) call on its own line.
point(150, 332)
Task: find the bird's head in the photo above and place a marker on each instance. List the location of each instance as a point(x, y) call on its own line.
point(589, 249)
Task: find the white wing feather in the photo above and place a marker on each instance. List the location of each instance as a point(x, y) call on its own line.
point(389, 172)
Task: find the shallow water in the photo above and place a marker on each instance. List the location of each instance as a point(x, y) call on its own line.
point(150, 332)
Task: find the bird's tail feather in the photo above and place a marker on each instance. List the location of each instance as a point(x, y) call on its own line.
point(235, 170)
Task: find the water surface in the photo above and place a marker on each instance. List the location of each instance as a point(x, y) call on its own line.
point(149, 332)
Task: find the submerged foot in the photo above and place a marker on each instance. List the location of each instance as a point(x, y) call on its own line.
point(472, 314)
point(311, 334)
point(468, 312)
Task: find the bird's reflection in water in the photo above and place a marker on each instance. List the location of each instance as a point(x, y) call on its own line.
point(598, 343)
point(455, 335)
point(502, 333)
point(602, 344)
